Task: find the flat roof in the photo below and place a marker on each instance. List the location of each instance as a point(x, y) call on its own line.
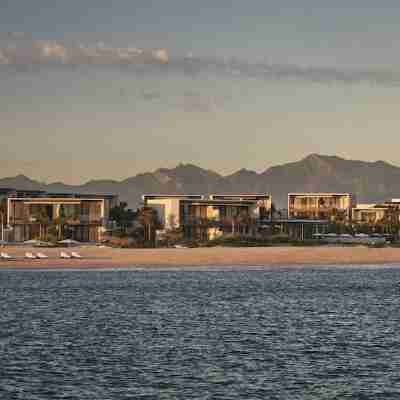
point(46, 195)
point(242, 195)
point(5, 190)
point(41, 200)
point(320, 194)
point(371, 207)
point(209, 197)
point(79, 195)
point(172, 196)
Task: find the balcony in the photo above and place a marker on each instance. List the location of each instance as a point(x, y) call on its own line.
point(313, 208)
point(67, 221)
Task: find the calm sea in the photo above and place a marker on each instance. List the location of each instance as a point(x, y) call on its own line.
point(321, 333)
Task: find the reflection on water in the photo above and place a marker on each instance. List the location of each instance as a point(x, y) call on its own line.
point(298, 334)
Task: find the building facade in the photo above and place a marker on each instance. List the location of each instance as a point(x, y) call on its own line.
point(381, 213)
point(334, 207)
point(80, 217)
point(370, 213)
point(209, 216)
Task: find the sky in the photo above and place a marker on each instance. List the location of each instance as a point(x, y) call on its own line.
point(98, 89)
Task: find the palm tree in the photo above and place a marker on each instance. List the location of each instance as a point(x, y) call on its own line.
point(3, 215)
point(148, 217)
point(43, 219)
point(246, 223)
point(232, 222)
point(273, 211)
point(60, 222)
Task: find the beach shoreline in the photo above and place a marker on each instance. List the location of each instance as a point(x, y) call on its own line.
point(100, 258)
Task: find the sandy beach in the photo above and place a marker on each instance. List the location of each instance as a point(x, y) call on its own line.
point(96, 257)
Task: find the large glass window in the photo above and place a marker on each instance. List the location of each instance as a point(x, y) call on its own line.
point(40, 212)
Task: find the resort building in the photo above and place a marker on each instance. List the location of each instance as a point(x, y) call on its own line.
point(334, 207)
point(371, 213)
point(81, 217)
point(209, 216)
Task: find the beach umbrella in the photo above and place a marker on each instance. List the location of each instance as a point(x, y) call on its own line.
point(69, 242)
point(45, 244)
point(32, 242)
point(38, 243)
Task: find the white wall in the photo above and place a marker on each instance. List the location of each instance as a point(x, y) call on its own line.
point(167, 210)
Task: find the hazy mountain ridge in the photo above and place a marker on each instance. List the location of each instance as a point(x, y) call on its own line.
point(370, 181)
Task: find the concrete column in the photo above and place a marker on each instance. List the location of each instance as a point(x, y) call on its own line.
point(56, 211)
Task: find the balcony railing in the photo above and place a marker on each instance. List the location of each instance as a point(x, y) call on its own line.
point(216, 223)
point(71, 221)
point(316, 208)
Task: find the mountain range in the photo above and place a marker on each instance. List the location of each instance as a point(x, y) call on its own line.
point(370, 181)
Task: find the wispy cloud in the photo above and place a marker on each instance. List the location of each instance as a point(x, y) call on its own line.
point(195, 102)
point(16, 49)
point(150, 95)
point(194, 67)
point(19, 49)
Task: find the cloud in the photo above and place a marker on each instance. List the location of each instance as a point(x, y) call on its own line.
point(195, 102)
point(15, 35)
point(161, 55)
point(52, 50)
point(150, 95)
point(21, 50)
point(3, 58)
point(242, 69)
point(30, 52)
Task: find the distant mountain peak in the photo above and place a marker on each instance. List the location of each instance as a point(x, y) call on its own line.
point(187, 171)
point(370, 181)
point(322, 157)
point(21, 181)
point(23, 177)
point(313, 156)
point(244, 172)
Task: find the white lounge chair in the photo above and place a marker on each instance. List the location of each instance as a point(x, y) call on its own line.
point(41, 256)
point(65, 255)
point(75, 255)
point(5, 256)
point(30, 256)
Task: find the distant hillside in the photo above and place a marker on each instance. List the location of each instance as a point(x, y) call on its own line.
point(370, 181)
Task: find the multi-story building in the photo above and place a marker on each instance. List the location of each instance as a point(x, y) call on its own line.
point(321, 206)
point(206, 217)
point(83, 217)
point(371, 213)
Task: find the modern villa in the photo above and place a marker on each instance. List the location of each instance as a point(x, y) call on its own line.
point(35, 214)
point(84, 217)
point(370, 213)
point(209, 216)
point(334, 207)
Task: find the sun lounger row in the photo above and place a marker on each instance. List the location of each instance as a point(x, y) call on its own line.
point(41, 256)
point(72, 255)
point(5, 256)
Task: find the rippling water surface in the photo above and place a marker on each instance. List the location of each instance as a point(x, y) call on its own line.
point(274, 334)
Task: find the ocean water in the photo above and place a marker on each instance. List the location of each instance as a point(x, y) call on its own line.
point(315, 333)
